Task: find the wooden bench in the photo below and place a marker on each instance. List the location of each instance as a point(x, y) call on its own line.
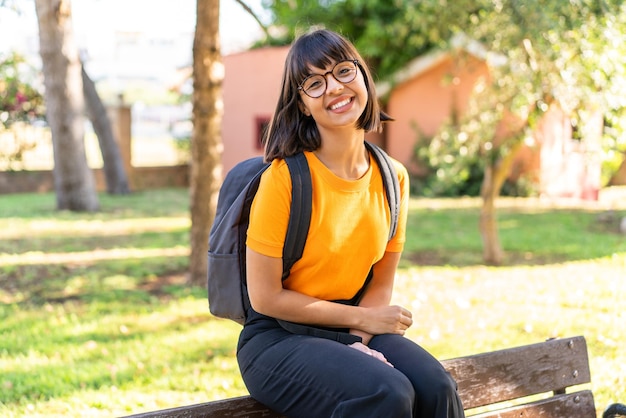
point(547, 375)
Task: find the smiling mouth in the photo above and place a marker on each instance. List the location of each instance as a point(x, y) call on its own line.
point(340, 104)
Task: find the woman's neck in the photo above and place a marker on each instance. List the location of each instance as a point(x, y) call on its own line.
point(344, 154)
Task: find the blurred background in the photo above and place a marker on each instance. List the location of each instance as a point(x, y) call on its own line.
point(119, 120)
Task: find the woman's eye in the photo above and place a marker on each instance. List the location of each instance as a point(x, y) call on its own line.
point(314, 84)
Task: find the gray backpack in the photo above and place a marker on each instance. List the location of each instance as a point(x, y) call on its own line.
point(228, 296)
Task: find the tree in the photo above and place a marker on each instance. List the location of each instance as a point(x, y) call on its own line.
point(550, 53)
point(113, 165)
point(206, 166)
point(73, 180)
point(387, 33)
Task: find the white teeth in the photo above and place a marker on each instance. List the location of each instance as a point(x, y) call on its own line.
point(340, 104)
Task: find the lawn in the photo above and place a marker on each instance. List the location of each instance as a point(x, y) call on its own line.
point(96, 318)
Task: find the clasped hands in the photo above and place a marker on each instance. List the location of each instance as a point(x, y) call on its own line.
point(389, 320)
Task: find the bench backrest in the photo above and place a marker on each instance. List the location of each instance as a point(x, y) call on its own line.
point(506, 375)
point(499, 377)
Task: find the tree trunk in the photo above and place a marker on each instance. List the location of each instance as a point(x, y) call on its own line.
point(112, 163)
point(206, 166)
point(619, 177)
point(492, 249)
point(73, 179)
point(495, 176)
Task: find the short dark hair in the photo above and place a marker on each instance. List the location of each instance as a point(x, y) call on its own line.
point(290, 131)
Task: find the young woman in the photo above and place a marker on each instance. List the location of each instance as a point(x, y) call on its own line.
point(343, 360)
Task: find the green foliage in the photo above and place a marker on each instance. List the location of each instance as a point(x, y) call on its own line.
point(19, 99)
point(21, 104)
point(524, 186)
point(387, 33)
point(450, 168)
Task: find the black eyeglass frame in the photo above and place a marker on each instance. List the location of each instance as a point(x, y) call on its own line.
point(331, 72)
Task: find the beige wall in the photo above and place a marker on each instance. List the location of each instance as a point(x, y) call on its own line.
point(251, 88)
point(42, 181)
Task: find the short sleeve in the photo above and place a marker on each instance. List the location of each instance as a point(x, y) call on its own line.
point(269, 214)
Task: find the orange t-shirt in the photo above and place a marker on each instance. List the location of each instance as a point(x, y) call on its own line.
point(348, 232)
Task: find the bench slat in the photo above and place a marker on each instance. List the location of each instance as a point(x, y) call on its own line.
point(513, 373)
point(578, 404)
point(241, 407)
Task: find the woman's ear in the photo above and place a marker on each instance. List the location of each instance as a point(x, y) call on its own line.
point(303, 108)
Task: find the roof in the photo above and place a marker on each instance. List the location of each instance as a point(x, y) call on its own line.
point(424, 63)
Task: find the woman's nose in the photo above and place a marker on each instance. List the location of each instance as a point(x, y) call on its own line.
point(332, 84)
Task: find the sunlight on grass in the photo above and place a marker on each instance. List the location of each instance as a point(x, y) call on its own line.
point(38, 257)
point(476, 309)
point(173, 347)
point(14, 229)
point(97, 318)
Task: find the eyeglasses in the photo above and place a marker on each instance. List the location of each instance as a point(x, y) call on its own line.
point(314, 85)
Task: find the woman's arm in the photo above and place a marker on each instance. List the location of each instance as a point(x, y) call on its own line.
point(380, 289)
point(268, 297)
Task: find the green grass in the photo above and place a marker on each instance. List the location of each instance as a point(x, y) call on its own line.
point(96, 318)
point(531, 231)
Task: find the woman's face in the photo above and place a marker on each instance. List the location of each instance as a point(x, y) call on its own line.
point(340, 104)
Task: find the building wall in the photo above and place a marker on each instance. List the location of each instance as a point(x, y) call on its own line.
point(569, 168)
point(421, 104)
point(562, 167)
point(251, 89)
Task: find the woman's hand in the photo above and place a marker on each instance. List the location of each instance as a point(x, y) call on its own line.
point(365, 349)
point(386, 320)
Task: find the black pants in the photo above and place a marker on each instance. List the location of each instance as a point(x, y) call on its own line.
point(303, 376)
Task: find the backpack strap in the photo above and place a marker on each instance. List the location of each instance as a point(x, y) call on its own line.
point(390, 183)
point(300, 212)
